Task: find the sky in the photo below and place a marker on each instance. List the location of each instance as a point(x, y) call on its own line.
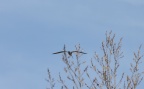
point(31, 30)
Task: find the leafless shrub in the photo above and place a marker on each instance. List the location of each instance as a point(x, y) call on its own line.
point(106, 66)
point(102, 72)
point(135, 78)
point(50, 80)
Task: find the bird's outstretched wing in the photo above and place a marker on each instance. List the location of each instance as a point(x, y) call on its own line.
point(78, 52)
point(59, 52)
point(82, 52)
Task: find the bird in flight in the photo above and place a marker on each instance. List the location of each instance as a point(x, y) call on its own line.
point(69, 52)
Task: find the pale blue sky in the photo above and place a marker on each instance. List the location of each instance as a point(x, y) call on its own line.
point(31, 30)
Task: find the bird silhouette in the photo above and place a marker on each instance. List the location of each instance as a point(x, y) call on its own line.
point(69, 52)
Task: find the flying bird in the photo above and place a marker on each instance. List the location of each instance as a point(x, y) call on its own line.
point(69, 52)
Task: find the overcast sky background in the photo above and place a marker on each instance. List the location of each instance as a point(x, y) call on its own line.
point(31, 30)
